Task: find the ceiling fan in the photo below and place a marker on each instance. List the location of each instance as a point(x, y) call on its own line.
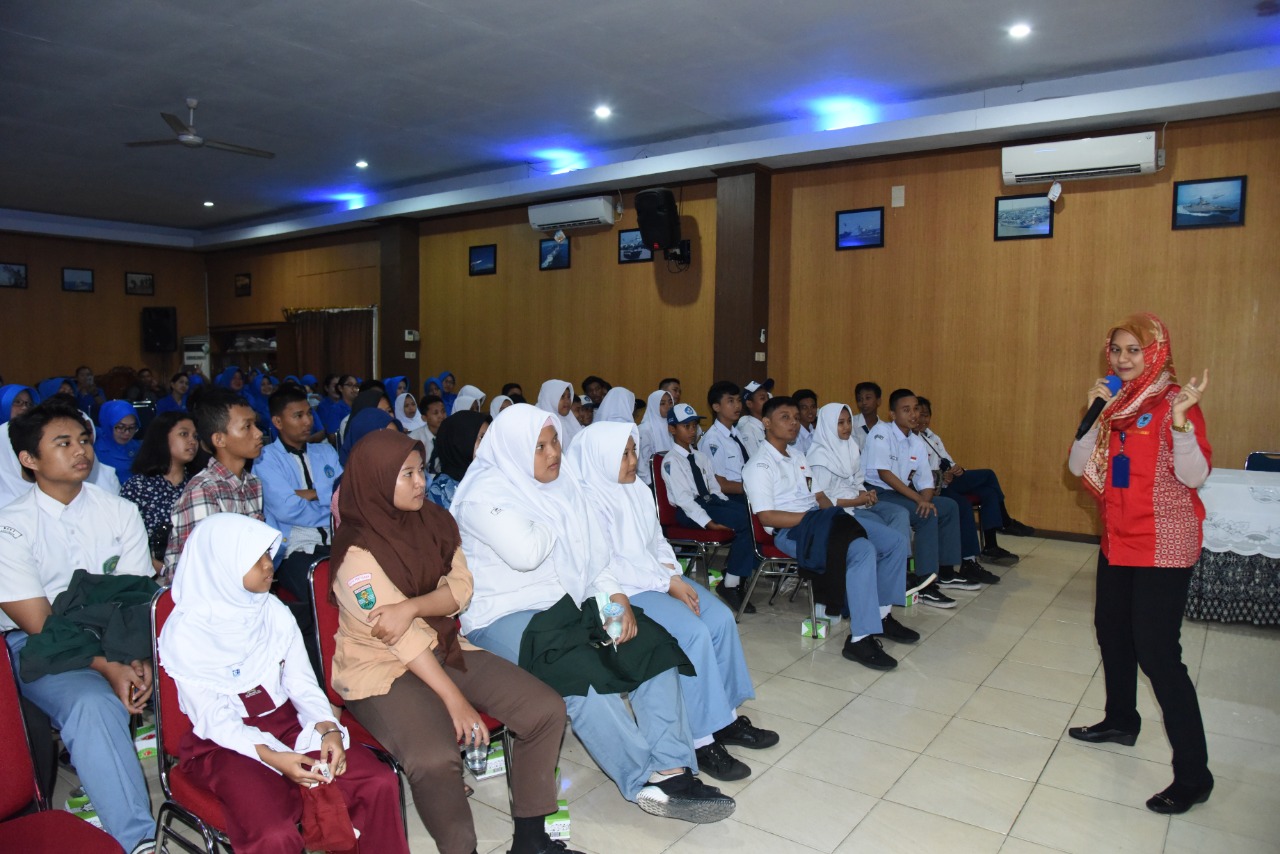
point(186, 135)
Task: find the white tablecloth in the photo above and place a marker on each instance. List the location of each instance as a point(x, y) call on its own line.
point(1242, 512)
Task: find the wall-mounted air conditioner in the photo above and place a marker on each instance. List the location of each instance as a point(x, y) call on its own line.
point(578, 213)
point(1079, 159)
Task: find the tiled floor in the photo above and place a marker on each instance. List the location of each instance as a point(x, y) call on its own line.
point(963, 748)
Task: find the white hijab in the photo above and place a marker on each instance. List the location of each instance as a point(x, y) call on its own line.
point(828, 450)
point(468, 395)
point(549, 401)
point(618, 406)
point(628, 510)
point(502, 476)
point(653, 428)
point(409, 424)
point(220, 635)
point(496, 406)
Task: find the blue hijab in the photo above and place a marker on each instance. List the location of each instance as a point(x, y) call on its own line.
point(48, 388)
point(106, 448)
point(391, 384)
point(9, 393)
point(363, 423)
point(447, 396)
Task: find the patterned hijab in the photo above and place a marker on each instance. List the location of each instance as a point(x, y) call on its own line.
point(1135, 396)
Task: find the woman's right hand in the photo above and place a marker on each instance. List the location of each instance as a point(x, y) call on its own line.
point(1099, 390)
point(465, 720)
point(294, 766)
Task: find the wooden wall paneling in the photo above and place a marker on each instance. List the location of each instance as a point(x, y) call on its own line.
point(398, 298)
point(742, 273)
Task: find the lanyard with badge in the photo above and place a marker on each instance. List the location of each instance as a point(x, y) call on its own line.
point(1120, 467)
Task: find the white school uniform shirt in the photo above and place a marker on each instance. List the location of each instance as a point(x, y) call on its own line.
point(775, 482)
point(804, 439)
point(936, 450)
point(903, 454)
point(678, 477)
point(428, 439)
point(724, 453)
point(861, 430)
point(43, 542)
point(751, 431)
point(14, 485)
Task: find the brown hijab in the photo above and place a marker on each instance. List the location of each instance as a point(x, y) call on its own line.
point(415, 549)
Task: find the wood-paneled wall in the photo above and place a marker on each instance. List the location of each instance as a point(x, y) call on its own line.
point(48, 332)
point(1006, 337)
point(632, 324)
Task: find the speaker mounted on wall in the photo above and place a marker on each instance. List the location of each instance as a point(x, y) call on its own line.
point(659, 221)
point(159, 329)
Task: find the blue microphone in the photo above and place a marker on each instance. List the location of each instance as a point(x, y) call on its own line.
point(1113, 385)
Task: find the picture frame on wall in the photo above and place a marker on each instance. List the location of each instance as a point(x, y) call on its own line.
point(861, 228)
point(244, 284)
point(1025, 217)
point(13, 275)
point(1210, 203)
point(77, 279)
point(631, 248)
point(483, 260)
point(553, 254)
point(140, 284)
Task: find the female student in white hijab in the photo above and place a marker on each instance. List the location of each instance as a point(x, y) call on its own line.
point(498, 404)
point(531, 541)
point(407, 412)
point(618, 406)
point(556, 397)
point(469, 398)
point(261, 724)
point(605, 459)
point(655, 438)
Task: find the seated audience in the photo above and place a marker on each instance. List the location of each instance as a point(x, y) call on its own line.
point(556, 397)
point(671, 385)
point(370, 421)
point(12, 482)
point(395, 386)
point(498, 404)
point(807, 402)
point(542, 578)
point(160, 472)
point(176, 399)
point(117, 445)
point(88, 396)
point(512, 389)
point(340, 392)
point(595, 388)
point(647, 571)
point(403, 669)
point(431, 387)
point(60, 526)
point(866, 396)
point(750, 426)
point(433, 416)
point(260, 723)
point(370, 396)
point(15, 400)
point(583, 410)
point(406, 412)
point(806, 526)
point(46, 389)
point(723, 443)
point(448, 385)
point(456, 447)
point(469, 399)
point(655, 438)
point(618, 405)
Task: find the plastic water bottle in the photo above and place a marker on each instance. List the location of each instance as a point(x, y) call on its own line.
point(611, 616)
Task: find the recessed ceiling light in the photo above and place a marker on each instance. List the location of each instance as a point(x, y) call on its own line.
point(1020, 31)
point(603, 112)
point(362, 164)
point(208, 204)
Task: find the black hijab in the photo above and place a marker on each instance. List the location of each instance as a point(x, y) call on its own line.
point(456, 442)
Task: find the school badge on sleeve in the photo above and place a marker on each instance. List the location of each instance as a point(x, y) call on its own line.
point(366, 598)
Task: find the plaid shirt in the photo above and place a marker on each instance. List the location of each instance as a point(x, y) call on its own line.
point(214, 490)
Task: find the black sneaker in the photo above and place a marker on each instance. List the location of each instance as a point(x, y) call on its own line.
point(685, 797)
point(552, 846)
point(971, 570)
point(999, 556)
point(952, 580)
point(741, 733)
point(933, 595)
point(715, 761)
point(732, 597)
point(916, 583)
point(868, 652)
point(1015, 528)
point(895, 631)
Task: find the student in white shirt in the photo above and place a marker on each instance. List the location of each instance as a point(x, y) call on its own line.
point(432, 409)
point(866, 396)
point(62, 524)
point(807, 402)
point(654, 436)
point(750, 427)
point(700, 503)
point(722, 442)
point(556, 397)
point(780, 486)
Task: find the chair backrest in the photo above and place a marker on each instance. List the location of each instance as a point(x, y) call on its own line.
point(172, 724)
point(666, 513)
point(326, 622)
point(1263, 461)
point(17, 784)
point(760, 538)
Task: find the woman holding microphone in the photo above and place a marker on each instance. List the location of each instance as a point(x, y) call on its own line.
point(1143, 461)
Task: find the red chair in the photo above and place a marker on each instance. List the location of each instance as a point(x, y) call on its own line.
point(326, 622)
point(776, 564)
point(698, 544)
point(40, 830)
point(185, 799)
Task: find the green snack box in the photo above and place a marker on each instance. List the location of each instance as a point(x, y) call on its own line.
point(809, 630)
point(144, 741)
point(557, 824)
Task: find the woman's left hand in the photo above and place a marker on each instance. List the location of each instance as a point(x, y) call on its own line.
point(332, 751)
point(1188, 397)
point(629, 627)
point(388, 623)
point(684, 592)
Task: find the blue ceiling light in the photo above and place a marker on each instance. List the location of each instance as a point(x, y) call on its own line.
point(558, 161)
point(840, 111)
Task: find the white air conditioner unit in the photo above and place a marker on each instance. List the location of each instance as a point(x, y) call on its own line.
point(578, 213)
point(1079, 159)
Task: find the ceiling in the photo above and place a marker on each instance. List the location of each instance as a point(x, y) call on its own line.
point(452, 93)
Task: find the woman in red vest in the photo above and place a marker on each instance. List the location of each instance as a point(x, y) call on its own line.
point(1143, 461)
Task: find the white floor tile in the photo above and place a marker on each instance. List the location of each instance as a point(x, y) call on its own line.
point(1020, 712)
point(971, 795)
point(896, 829)
point(1004, 751)
point(889, 723)
point(802, 809)
point(845, 760)
point(1082, 825)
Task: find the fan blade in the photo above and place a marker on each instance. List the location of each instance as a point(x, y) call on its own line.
point(178, 125)
point(150, 142)
point(237, 149)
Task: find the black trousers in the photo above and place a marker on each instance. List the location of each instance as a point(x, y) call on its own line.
point(1138, 618)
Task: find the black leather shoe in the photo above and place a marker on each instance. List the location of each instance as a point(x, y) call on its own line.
point(732, 597)
point(1179, 798)
point(715, 761)
point(869, 653)
point(553, 846)
point(1015, 528)
point(1102, 732)
point(741, 733)
point(895, 631)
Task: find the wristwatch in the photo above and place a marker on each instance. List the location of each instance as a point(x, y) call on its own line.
point(1187, 427)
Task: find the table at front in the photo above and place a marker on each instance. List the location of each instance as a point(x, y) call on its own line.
point(1238, 575)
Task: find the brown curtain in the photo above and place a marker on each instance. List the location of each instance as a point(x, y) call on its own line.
point(338, 342)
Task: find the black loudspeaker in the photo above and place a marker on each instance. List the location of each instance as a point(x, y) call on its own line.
point(160, 329)
point(659, 219)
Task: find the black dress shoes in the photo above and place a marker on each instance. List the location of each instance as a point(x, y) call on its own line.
point(732, 596)
point(1179, 798)
point(1102, 732)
